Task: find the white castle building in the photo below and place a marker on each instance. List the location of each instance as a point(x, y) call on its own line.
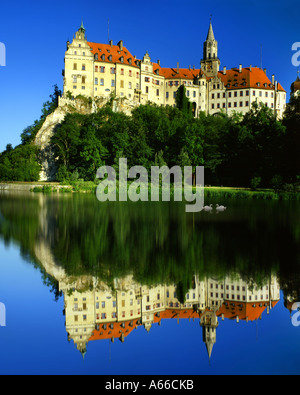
point(101, 71)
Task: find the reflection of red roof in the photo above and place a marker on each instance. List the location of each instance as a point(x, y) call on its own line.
point(245, 311)
point(180, 313)
point(250, 310)
point(113, 330)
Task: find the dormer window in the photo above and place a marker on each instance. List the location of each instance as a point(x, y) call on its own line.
point(122, 59)
point(103, 57)
point(110, 58)
point(96, 56)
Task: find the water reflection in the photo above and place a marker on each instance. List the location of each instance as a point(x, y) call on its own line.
point(119, 267)
point(104, 312)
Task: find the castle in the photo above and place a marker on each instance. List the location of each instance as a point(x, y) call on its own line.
point(102, 71)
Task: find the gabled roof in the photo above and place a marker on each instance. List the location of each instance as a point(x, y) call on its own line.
point(117, 54)
point(248, 78)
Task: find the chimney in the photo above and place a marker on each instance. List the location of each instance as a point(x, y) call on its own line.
point(158, 62)
point(265, 71)
point(250, 67)
point(193, 67)
point(240, 68)
point(224, 70)
point(120, 45)
point(111, 43)
point(177, 67)
point(273, 79)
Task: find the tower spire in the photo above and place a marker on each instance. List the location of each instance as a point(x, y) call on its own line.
point(210, 35)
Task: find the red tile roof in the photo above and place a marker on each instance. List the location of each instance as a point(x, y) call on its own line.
point(247, 78)
point(233, 79)
point(115, 52)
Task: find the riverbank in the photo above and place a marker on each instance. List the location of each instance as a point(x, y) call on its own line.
point(90, 187)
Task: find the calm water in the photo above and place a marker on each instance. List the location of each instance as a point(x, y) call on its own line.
point(119, 289)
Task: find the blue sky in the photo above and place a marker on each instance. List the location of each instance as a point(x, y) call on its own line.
point(35, 35)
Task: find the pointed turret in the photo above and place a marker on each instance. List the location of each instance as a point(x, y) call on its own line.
point(210, 63)
point(210, 35)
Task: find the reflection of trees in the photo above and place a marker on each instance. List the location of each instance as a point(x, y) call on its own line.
point(157, 242)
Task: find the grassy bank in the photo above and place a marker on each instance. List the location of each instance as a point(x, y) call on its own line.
point(210, 192)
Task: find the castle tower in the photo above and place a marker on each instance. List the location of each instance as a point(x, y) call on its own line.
point(209, 324)
point(210, 63)
point(295, 87)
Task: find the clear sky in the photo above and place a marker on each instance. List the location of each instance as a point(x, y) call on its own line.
point(35, 35)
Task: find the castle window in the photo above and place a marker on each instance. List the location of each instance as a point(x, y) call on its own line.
point(157, 92)
point(241, 104)
point(122, 71)
point(130, 73)
point(167, 95)
point(102, 82)
point(241, 93)
point(96, 81)
point(83, 67)
point(75, 78)
point(75, 66)
point(121, 84)
point(112, 83)
point(96, 69)
point(83, 53)
point(83, 80)
point(102, 69)
point(112, 70)
point(247, 93)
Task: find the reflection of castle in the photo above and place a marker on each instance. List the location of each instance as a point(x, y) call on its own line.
point(94, 311)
